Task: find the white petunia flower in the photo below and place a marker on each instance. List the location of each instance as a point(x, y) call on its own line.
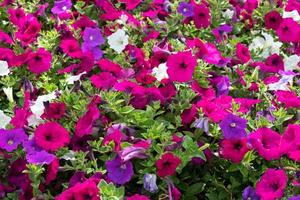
point(293, 14)
point(4, 70)
point(38, 108)
point(9, 93)
point(291, 63)
point(266, 44)
point(160, 72)
point(4, 119)
point(71, 79)
point(228, 14)
point(118, 40)
point(123, 19)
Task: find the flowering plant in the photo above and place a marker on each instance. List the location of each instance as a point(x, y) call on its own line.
point(149, 99)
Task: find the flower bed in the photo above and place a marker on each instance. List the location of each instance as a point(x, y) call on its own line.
point(152, 99)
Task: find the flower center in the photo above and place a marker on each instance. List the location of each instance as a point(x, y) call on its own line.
point(64, 8)
point(184, 10)
point(91, 37)
point(123, 166)
point(10, 142)
point(233, 125)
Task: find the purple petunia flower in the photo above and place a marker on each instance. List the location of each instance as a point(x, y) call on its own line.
point(249, 193)
point(186, 9)
point(119, 172)
point(223, 84)
point(40, 157)
point(61, 6)
point(96, 51)
point(93, 37)
point(150, 183)
point(37, 155)
point(233, 127)
point(297, 197)
point(10, 139)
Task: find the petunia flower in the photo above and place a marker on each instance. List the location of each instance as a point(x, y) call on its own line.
point(103, 80)
point(233, 127)
point(288, 31)
point(234, 149)
point(273, 20)
point(266, 142)
point(292, 14)
point(291, 62)
point(4, 70)
point(84, 125)
point(242, 53)
point(131, 4)
point(137, 197)
point(272, 184)
point(118, 40)
point(4, 119)
point(119, 172)
point(129, 153)
point(40, 157)
point(160, 72)
point(288, 98)
point(39, 61)
point(201, 16)
point(150, 183)
point(52, 171)
point(71, 48)
point(181, 66)
point(51, 136)
point(61, 6)
point(221, 31)
point(10, 139)
point(249, 193)
point(186, 9)
point(116, 137)
point(167, 164)
point(54, 110)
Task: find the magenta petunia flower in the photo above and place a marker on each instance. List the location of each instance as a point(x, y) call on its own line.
point(28, 30)
point(16, 16)
point(274, 63)
point(242, 53)
point(167, 164)
point(71, 48)
point(201, 16)
point(51, 136)
point(291, 142)
point(288, 98)
point(288, 31)
point(119, 172)
point(54, 110)
point(116, 137)
point(234, 149)
point(137, 197)
point(273, 20)
point(272, 184)
point(39, 61)
point(103, 80)
point(266, 142)
point(61, 6)
point(84, 125)
point(186, 9)
point(181, 66)
point(131, 4)
point(233, 127)
point(221, 31)
point(10, 139)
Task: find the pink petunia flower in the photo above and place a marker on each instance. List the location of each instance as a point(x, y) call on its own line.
point(266, 142)
point(288, 31)
point(39, 61)
point(51, 136)
point(272, 184)
point(242, 53)
point(201, 16)
point(167, 164)
point(289, 98)
point(234, 149)
point(181, 66)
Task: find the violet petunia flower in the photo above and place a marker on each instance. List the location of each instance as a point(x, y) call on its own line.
point(202, 123)
point(119, 172)
point(150, 183)
point(93, 37)
point(221, 31)
point(36, 155)
point(297, 197)
point(186, 9)
point(40, 158)
point(61, 6)
point(10, 139)
point(233, 127)
point(249, 193)
point(223, 84)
